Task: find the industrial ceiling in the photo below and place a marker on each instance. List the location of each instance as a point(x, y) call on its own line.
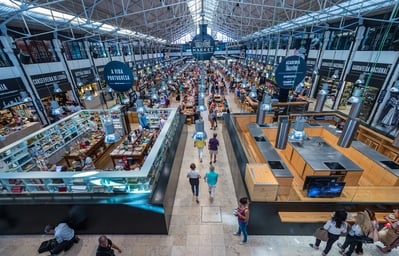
point(168, 21)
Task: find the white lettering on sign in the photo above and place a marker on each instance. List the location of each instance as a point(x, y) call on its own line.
point(118, 77)
point(3, 87)
point(332, 64)
point(368, 69)
point(116, 71)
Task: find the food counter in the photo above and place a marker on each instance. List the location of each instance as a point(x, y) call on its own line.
point(262, 185)
point(314, 156)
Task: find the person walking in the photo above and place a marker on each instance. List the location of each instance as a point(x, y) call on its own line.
point(106, 247)
point(335, 227)
point(243, 218)
point(193, 177)
point(213, 145)
point(361, 228)
point(211, 178)
point(200, 143)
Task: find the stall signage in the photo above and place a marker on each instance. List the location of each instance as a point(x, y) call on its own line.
point(100, 71)
point(84, 75)
point(290, 72)
point(376, 73)
point(374, 68)
point(203, 45)
point(118, 76)
point(328, 67)
point(48, 79)
point(44, 83)
point(9, 91)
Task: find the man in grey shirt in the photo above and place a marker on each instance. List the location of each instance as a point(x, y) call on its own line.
point(64, 235)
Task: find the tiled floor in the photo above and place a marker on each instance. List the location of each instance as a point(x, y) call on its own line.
point(196, 229)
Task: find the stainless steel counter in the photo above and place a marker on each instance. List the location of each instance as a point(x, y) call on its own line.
point(317, 152)
point(269, 153)
point(372, 154)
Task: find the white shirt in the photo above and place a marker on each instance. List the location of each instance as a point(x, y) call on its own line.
point(330, 226)
point(63, 232)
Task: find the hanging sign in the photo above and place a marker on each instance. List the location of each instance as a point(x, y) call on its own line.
point(290, 72)
point(203, 45)
point(118, 76)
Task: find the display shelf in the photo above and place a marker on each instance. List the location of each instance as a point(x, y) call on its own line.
point(17, 157)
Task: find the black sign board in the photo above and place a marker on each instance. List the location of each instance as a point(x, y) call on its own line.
point(328, 67)
point(100, 70)
point(44, 83)
point(9, 91)
point(376, 73)
point(83, 75)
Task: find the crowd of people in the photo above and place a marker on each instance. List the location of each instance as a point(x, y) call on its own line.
point(364, 228)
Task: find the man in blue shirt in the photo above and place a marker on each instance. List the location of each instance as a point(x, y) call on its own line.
point(211, 177)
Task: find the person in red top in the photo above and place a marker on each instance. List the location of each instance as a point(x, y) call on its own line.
point(243, 217)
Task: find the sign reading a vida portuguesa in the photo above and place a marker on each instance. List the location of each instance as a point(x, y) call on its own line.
point(118, 76)
point(203, 45)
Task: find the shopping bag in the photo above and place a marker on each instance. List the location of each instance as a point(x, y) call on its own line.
point(321, 233)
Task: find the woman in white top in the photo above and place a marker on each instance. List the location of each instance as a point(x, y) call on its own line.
point(335, 227)
point(193, 177)
point(361, 228)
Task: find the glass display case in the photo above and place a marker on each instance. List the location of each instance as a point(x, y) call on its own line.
point(49, 144)
point(20, 158)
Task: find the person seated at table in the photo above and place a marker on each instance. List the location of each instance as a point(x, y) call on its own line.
point(389, 234)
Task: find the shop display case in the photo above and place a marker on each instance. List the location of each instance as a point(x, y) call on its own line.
point(49, 145)
point(20, 158)
point(17, 157)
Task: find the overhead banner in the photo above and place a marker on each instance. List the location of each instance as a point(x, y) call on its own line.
point(290, 72)
point(376, 73)
point(118, 76)
point(203, 45)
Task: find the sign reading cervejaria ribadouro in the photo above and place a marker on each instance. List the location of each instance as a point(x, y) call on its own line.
point(290, 72)
point(203, 45)
point(118, 76)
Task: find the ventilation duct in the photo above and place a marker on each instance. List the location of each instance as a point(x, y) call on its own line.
point(284, 125)
point(321, 98)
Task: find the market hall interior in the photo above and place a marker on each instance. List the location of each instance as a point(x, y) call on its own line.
point(195, 229)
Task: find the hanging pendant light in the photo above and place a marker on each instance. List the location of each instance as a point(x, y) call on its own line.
point(154, 94)
point(335, 76)
point(140, 106)
point(163, 86)
point(298, 133)
point(55, 108)
point(321, 98)
point(24, 97)
point(201, 104)
point(57, 88)
point(360, 81)
point(88, 95)
point(253, 94)
point(111, 136)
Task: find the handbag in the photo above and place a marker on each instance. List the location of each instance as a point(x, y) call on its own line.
point(321, 234)
point(373, 235)
point(47, 245)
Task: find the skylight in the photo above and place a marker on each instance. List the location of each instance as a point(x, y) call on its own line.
point(349, 8)
point(51, 15)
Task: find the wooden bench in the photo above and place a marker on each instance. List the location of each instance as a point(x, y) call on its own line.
point(313, 217)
